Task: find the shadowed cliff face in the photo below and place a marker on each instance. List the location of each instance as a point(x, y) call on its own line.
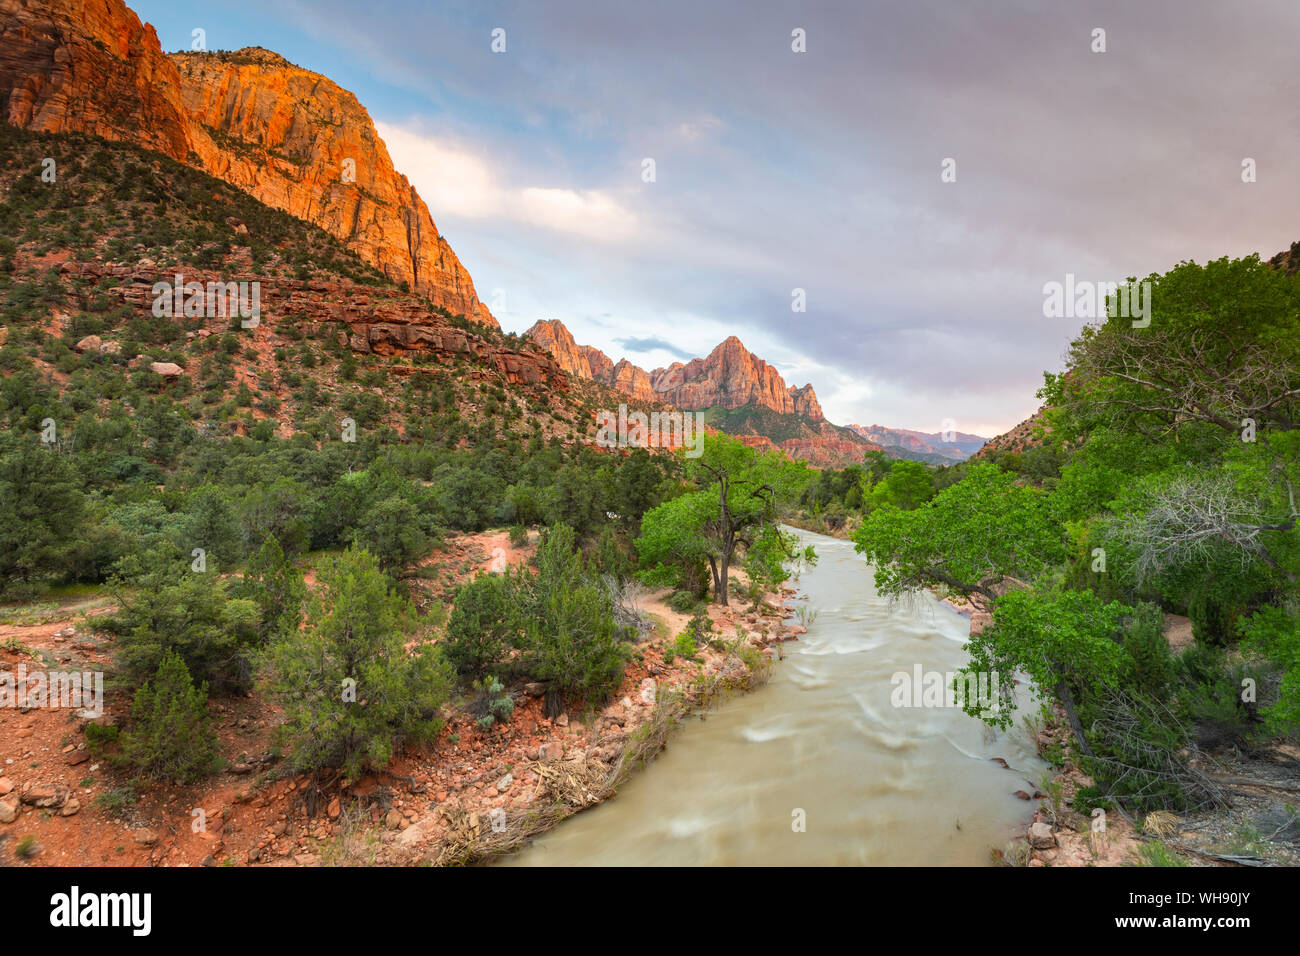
point(251, 118)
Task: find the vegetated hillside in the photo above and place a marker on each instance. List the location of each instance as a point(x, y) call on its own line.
point(83, 253)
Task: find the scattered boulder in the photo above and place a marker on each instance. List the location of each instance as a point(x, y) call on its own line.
point(91, 343)
point(6, 786)
point(535, 689)
point(144, 837)
point(70, 808)
point(166, 369)
point(44, 795)
point(551, 750)
point(1041, 836)
point(8, 812)
point(504, 783)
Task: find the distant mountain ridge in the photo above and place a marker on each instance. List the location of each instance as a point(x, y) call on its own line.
point(923, 446)
point(729, 377)
point(740, 393)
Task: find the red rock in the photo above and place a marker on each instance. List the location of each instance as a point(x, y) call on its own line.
point(90, 66)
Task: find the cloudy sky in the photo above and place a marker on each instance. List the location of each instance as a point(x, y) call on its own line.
point(820, 170)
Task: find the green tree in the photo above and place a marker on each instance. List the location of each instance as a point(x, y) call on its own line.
point(352, 693)
point(276, 585)
point(741, 492)
point(171, 735)
point(483, 626)
point(969, 537)
point(571, 639)
point(396, 533)
point(908, 485)
point(1064, 642)
point(165, 606)
point(41, 511)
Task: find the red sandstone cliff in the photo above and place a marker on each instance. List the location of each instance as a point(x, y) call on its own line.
point(274, 130)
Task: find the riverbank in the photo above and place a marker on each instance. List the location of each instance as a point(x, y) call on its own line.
point(472, 793)
point(528, 777)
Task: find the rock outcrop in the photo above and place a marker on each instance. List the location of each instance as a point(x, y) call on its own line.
point(774, 416)
point(281, 133)
point(732, 377)
point(299, 142)
point(369, 321)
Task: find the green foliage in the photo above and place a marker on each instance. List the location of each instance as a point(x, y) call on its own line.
point(484, 625)
point(767, 557)
point(571, 640)
point(908, 485)
point(494, 705)
point(352, 693)
point(1061, 641)
point(1274, 633)
point(41, 513)
point(1149, 667)
point(276, 586)
point(171, 735)
point(741, 492)
point(165, 606)
point(968, 537)
point(684, 646)
point(683, 602)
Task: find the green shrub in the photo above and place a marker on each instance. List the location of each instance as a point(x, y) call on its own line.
point(171, 737)
point(483, 625)
point(352, 693)
point(493, 704)
point(684, 602)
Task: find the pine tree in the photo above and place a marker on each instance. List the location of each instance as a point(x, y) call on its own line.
point(172, 736)
point(275, 584)
point(352, 693)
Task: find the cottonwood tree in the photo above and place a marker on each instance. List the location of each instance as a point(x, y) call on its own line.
point(1064, 642)
point(1223, 346)
point(740, 493)
point(971, 538)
